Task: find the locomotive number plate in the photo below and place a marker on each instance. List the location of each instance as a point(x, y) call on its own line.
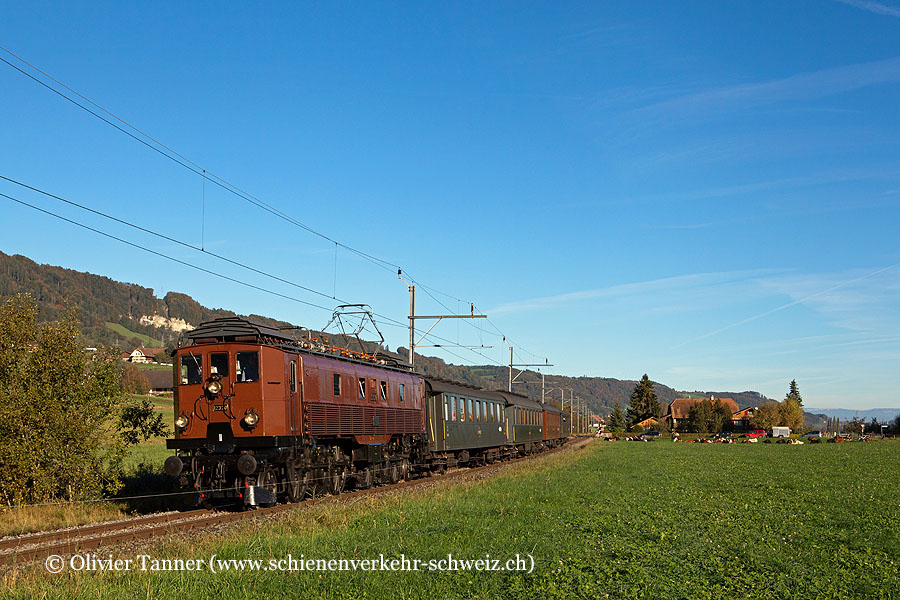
point(220, 407)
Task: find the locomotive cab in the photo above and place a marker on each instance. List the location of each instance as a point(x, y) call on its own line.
point(237, 406)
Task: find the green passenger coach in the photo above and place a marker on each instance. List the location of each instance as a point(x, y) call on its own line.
point(465, 423)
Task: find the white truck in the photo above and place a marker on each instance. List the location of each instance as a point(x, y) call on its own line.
point(781, 432)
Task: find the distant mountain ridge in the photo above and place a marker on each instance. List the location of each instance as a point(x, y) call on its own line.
point(101, 300)
point(883, 415)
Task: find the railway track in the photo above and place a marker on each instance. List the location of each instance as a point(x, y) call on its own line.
point(26, 549)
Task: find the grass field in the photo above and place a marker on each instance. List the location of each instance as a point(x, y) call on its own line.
point(618, 520)
point(128, 334)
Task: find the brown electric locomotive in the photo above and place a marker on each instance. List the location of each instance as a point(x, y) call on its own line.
point(260, 415)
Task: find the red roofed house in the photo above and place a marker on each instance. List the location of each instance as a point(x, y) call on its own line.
point(680, 408)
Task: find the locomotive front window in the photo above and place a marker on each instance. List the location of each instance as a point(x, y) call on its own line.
point(218, 364)
point(362, 388)
point(384, 395)
point(191, 369)
point(246, 366)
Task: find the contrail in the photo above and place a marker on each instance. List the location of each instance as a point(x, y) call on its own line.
point(788, 305)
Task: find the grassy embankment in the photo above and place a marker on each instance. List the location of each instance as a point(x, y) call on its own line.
point(626, 520)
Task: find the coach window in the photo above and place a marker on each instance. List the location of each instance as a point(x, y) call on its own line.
point(191, 369)
point(336, 379)
point(362, 388)
point(462, 409)
point(402, 394)
point(446, 408)
point(470, 413)
point(452, 408)
point(384, 395)
point(246, 366)
point(218, 364)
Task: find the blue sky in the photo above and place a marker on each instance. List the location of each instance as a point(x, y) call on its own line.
point(707, 192)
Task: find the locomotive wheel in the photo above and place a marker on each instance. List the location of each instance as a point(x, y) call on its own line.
point(319, 482)
point(268, 481)
point(297, 483)
point(394, 472)
point(366, 478)
point(337, 476)
point(404, 469)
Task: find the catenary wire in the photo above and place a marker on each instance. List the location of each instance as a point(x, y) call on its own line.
point(386, 319)
point(206, 175)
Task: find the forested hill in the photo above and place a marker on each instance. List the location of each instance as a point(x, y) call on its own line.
point(110, 311)
point(128, 315)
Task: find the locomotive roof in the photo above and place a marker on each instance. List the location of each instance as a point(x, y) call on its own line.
point(239, 329)
point(231, 327)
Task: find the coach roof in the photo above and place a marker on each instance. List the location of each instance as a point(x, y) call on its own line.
point(521, 401)
point(438, 385)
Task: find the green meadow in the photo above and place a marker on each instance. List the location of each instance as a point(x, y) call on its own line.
point(615, 519)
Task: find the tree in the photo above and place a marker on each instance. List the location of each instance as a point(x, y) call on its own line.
point(140, 422)
point(133, 381)
point(767, 416)
point(643, 404)
point(790, 414)
point(616, 419)
point(794, 393)
point(856, 425)
point(56, 400)
point(708, 417)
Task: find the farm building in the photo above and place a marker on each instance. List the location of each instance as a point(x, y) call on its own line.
point(161, 382)
point(741, 419)
point(680, 408)
point(143, 354)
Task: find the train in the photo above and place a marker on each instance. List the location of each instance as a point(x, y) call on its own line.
point(262, 417)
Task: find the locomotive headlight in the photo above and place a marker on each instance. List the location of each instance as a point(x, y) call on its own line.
point(182, 422)
point(214, 387)
point(251, 418)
